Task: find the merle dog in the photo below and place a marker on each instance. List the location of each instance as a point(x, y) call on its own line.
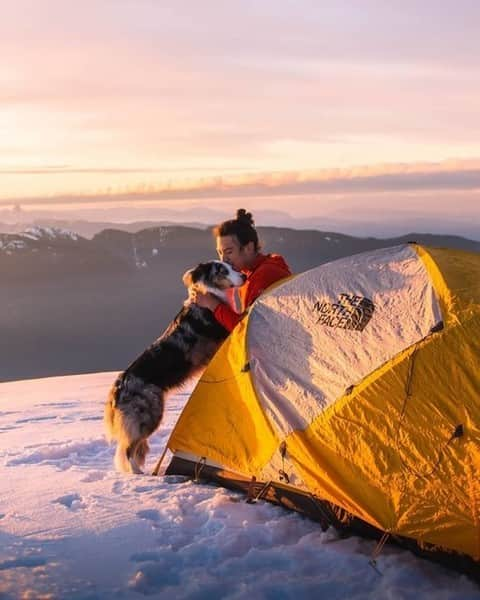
point(135, 404)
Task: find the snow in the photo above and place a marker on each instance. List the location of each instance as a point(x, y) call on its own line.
point(163, 234)
point(37, 233)
point(12, 245)
point(20, 241)
point(71, 527)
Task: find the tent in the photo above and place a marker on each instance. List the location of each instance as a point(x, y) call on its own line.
point(353, 390)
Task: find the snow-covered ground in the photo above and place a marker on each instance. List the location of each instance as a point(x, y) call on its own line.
point(70, 527)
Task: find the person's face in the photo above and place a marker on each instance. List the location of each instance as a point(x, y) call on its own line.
point(230, 251)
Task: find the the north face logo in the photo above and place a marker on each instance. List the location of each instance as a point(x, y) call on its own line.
point(350, 312)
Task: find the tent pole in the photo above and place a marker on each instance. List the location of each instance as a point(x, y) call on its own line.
point(160, 460)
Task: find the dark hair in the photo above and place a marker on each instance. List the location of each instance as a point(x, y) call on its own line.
point(243, 226)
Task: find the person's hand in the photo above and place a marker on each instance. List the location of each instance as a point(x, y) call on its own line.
point(203, 300)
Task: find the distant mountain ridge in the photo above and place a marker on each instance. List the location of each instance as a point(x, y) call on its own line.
point(69, 304)
point(342, 217)
point(45, 252)
point(88, 229)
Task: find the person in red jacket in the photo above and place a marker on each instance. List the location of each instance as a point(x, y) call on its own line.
point(238, 245)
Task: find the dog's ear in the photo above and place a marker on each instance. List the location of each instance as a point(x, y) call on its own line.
point(187, 278)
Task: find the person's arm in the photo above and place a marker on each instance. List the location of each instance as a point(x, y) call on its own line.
point(221, 311)
point(258, 282)
point(256, 285)
point(226, 316)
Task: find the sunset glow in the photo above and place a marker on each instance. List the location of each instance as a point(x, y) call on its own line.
point(114, 98)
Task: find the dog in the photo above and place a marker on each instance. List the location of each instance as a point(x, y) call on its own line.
point(135, 404)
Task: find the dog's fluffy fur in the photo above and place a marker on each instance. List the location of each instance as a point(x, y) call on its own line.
point(135, 404)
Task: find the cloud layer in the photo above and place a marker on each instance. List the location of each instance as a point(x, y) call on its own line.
point(132, 95)
point(449, 175)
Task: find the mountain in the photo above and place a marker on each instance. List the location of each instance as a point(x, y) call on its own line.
point(73, 305)
point(345, 216)
point(88, 229)
point(40, 252)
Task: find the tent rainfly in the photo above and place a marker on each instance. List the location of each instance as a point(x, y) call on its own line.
point(351, 392)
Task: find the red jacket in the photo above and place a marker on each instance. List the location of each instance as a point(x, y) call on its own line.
point(267, 269)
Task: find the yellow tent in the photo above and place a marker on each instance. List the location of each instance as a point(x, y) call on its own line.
point(353, 389)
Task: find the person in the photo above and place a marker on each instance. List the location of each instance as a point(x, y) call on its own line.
point(237, 244)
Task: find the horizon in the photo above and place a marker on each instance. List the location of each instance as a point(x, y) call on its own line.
point(360, 216)
point(401, 228)
point(173, 106)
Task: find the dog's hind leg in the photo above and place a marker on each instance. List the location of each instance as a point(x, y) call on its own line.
point(136, 451)
point(121, 461)
point(140, 452)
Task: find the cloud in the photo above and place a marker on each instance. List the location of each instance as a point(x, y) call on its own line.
point(448, 175)
point(65, 169)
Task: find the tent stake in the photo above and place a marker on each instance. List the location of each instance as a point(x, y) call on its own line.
point(376, 552)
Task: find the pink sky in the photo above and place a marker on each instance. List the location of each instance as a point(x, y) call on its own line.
point(132, 96)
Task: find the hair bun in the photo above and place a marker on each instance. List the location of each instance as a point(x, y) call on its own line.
point(245, 217)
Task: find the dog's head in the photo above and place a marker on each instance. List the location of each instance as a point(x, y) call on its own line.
point(213, 275)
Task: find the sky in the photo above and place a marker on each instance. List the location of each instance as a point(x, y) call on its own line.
point(175, 102)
